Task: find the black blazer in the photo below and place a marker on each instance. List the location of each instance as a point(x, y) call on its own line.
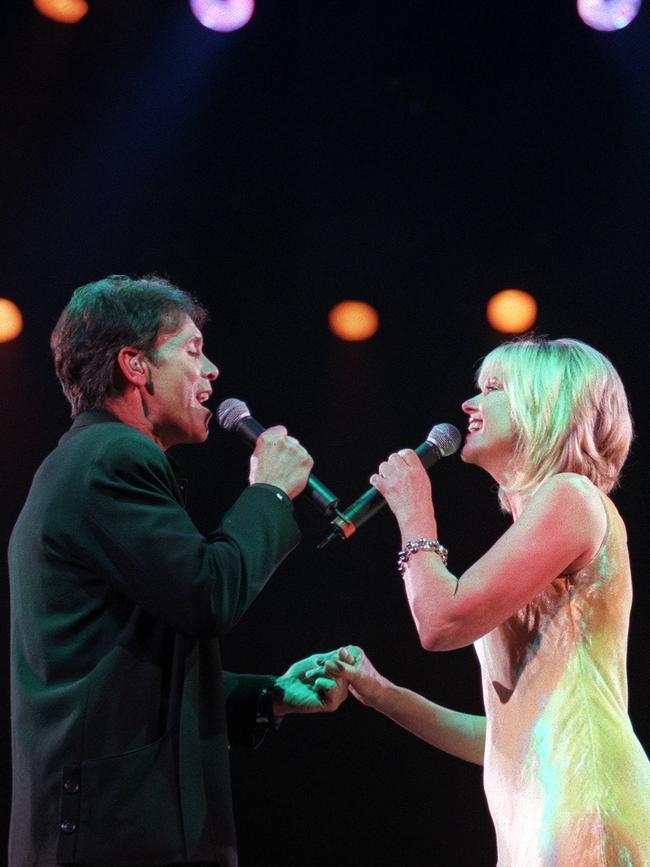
point(119, 735)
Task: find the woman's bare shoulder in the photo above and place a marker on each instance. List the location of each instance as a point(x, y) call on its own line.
point(579, 503)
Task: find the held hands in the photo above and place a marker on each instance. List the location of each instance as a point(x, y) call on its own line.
point(280, 460)
point(306, 687)
point(405, 485)
point(351, 665)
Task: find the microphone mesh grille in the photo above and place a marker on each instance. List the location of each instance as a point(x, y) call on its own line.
point(446, 437)
point(230, 412)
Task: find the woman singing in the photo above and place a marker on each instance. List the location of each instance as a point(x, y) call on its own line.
point(547, 608)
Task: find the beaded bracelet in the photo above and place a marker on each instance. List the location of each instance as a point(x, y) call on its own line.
point(420, 545)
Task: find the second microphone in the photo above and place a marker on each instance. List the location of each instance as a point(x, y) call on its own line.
point(442, 440)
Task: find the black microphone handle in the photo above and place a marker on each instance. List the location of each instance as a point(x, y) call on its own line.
point(368, 504)
point(249, 429)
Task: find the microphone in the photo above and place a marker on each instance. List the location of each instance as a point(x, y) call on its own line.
point(442, 440)
point(235, 416)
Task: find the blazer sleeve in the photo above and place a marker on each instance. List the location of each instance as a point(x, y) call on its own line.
point(242, 693)
point(145, 545)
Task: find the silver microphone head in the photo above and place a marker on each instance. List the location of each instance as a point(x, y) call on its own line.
point(230, 412)
point(446, 438)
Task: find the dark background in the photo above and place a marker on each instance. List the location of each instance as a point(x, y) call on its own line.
point(418, 155)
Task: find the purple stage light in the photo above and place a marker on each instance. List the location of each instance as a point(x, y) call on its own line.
point(608, 15)
point(223, 15)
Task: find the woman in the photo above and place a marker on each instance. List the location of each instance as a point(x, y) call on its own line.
point(547, 608)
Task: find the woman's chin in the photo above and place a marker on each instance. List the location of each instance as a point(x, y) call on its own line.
point(467, 454)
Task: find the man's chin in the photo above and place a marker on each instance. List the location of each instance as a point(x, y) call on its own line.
point(195, 437)
point(203, 430)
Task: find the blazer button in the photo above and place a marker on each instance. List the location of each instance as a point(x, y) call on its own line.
point(68, 827)
point(71, 787)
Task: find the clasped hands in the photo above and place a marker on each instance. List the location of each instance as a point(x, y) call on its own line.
point(320, 682)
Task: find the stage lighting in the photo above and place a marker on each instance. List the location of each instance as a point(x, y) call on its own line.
point(11, 320)
point(353, 320)
point(223, 15)
point(608, 15)
point(512, 311)
point(64, 11)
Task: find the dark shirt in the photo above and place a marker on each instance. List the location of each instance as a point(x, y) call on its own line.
point(119, 702)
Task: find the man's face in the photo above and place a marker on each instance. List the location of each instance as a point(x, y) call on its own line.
point(179, 381)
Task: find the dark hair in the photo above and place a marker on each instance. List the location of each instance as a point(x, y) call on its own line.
point(100, 319)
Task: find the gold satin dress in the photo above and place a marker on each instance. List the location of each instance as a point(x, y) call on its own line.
point(566, 779)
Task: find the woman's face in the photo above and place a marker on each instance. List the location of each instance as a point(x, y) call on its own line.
point(491, 439)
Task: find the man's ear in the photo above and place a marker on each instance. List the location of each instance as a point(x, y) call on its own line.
point(132, 365)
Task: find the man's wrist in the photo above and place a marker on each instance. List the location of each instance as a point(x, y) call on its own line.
point(279, 492)
point(269, 713)
point(278, 703)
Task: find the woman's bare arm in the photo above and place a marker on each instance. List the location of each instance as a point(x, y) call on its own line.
point(459, 734)
point(561, 528)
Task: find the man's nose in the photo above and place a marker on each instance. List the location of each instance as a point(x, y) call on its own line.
point(210, 370)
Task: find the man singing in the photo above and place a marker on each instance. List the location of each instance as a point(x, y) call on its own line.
point(121, 714)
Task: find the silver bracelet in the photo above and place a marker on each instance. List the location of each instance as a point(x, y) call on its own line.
point(416, 545)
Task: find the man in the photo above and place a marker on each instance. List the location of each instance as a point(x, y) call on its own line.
point(119, 704)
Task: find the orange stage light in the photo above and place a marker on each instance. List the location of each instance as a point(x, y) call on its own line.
point(64, 11)
point(512, 311)
point(11, 320)
point(353, 320)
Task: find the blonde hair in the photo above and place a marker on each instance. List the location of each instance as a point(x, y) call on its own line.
point(568, 408)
